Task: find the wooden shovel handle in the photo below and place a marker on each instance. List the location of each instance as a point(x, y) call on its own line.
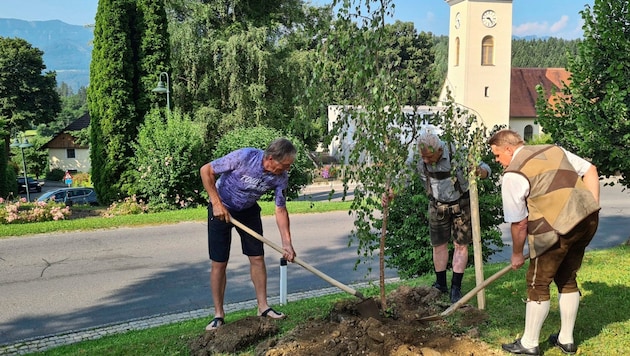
point(476, 290)
point(297, 260)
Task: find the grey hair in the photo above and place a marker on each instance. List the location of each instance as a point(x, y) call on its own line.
point(429, 140)
point(280, 148)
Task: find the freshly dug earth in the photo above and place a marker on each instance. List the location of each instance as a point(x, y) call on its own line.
point(346, 332)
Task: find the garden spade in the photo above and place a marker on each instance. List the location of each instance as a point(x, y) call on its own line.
point(366, 308)
point(467, 296)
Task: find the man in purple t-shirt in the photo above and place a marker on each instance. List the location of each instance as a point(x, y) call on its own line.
point(245, 175)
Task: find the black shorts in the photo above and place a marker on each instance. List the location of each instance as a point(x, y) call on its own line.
point(220, 234)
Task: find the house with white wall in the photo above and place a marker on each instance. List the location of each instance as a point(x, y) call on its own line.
point(65, 153)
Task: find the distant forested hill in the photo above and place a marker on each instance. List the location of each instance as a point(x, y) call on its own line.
point(67, 48)
point(542, 53)
point(526, 53)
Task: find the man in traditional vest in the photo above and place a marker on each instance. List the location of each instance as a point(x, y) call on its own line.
point(551, 198)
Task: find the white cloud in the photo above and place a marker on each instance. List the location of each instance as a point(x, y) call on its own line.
point(556, 29)
point(531, 28)
point(559, 25)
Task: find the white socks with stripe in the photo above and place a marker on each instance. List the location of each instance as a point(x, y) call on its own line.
point(568, 304)
point(535, 315)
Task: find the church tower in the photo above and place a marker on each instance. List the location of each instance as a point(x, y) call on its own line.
point(479, 58)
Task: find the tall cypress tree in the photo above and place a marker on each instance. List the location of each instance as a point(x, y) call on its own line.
point(154, 53)
point(124, 61)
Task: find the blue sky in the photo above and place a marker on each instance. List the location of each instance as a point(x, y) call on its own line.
point(557, 18)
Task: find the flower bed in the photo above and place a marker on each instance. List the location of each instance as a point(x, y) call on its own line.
point(21, 211)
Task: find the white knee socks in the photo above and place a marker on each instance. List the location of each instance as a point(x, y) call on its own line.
point(535, 315)
point(568, 304)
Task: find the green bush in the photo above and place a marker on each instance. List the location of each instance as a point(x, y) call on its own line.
point(11, 180)
point(541, 139)
point(129, 206)
point(55, 174)
point(167, 161)
point(261, 137)
point(81, 180)
point(408, 247)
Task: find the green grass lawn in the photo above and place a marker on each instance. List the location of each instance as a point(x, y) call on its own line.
point(602, 328)
point(603, 324)
point(167, 217)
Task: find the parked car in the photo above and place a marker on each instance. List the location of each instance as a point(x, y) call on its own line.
point(71, 196)
point(33, 185)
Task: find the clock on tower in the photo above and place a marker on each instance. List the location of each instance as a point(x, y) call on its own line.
point(489, 18)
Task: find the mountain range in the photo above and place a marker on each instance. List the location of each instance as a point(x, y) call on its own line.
point(67, 48)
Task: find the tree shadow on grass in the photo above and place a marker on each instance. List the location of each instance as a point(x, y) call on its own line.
point(602, 304)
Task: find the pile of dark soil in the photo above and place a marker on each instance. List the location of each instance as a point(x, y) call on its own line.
point(345, 332)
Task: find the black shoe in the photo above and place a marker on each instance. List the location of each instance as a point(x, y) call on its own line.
point(456, 294)
point(440, 287)
point(569, 348)
point(517, 348)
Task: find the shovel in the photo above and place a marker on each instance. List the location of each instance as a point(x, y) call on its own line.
point(367, 307)
point(467, 296)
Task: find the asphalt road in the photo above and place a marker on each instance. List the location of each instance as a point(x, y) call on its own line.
point(54, 283)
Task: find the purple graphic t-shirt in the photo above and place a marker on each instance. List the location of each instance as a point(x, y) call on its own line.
point(243, 180)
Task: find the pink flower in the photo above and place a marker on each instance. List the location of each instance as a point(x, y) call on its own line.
point(325, 172)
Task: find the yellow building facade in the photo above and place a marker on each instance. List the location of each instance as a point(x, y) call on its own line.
point(479, 58)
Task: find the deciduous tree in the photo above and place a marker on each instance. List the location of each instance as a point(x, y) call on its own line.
point(591, 116)
point(358, 57)
point(27, 96)
point(242, 65)
point(376, 78)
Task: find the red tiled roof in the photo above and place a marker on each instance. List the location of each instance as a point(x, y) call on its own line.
point(523, 88)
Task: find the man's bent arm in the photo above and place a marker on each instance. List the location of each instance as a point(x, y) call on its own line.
point(282, 220)
point(209, 184)
point(519, 236)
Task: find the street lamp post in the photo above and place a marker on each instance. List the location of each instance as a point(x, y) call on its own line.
point(22, 146)
point(161, 88)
